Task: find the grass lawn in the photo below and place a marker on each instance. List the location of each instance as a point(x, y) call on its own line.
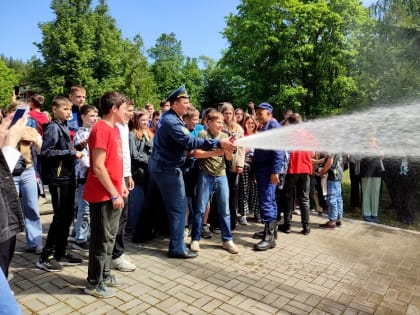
point(387, 215)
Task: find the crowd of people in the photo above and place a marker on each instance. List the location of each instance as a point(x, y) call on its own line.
point(144, 171)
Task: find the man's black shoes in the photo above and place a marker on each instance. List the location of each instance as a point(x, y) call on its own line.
point(185, 255)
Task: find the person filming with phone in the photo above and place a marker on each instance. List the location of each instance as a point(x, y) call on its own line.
point(11, 218)
point(24, 176)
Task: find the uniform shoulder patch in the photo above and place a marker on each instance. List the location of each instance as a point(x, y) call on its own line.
point(185, 130)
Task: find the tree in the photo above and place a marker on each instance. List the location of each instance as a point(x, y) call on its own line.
point(193, 80)
point(220, 84)
point(294, 53)
point(168, 63)
point(392, 73)
point(81, 46)
point(8, 79)
point(389, 65)
point(139, 84)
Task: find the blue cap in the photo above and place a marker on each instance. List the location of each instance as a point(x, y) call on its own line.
point(266, 106)
point(178, 93)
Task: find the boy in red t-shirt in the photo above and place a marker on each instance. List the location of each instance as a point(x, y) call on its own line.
point(104, 190)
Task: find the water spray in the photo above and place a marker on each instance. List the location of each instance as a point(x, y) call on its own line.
point(396, 131)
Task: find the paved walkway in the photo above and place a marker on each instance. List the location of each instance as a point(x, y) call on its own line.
point(359, 268)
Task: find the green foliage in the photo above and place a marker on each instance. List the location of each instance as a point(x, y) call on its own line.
point(139, 83)
point(318, 57)
point(294, 53)
point(388, 64)
point(193, 80)
point(168, 62)
point(8, 79)
point(84, 46)
point(220, 84)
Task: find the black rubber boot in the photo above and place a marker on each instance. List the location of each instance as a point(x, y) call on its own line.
point(269, 239)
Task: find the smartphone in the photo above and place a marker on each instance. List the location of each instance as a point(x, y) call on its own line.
point(19, 113)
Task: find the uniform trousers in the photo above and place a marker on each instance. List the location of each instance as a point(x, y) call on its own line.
point(170, 183)
point(266, 194)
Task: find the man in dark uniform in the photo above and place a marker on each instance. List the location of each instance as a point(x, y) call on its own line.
point(170, 144)
point(267, 165)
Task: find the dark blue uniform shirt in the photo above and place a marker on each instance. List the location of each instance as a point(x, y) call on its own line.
point(172, 140)
point(269, 158)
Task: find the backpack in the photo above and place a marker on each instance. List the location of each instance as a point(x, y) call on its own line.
point(335, 172)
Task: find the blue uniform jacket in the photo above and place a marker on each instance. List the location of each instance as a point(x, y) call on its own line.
point(172, 140)
point(269, 158)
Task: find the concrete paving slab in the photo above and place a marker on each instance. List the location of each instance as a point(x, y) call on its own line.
point(359, 268)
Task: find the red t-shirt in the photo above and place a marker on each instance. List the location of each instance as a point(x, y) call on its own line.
point(300, 162)
point(108, 138)
point(40, 118)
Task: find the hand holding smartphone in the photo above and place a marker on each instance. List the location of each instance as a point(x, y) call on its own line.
point(19, 113)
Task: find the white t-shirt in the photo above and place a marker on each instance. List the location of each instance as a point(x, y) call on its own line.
point(125, 148)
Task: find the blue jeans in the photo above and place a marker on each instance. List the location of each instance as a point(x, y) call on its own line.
point(335, 200)
point(135, 204)
point(8, 304)
point(82, 226)
point(170, 184)
point(206, 185)
point(27, 186)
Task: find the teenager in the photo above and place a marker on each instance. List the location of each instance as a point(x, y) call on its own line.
point(58, 168)
point(105, 190)
point(89, 114)
point(212, 180)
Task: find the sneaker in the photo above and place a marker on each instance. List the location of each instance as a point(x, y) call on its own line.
point(81, 245)
point(195, 246)
point(69, 260)
point(375, 219)
point(49, 264)
point(37, 250)
point(205, 232)
point(10, 276)
point(338, 223)
point(111, 281)
point(215, 230)
point(187, 232)
point(367, 218)
point(230, 247)
point(100, 291)
point(328, 225)
point(122, 264)
point(243, 220)
point(72, 236)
